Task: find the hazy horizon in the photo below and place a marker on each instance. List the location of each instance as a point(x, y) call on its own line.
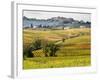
point(46, 15)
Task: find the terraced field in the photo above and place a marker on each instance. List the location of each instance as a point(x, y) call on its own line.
point(74, 50)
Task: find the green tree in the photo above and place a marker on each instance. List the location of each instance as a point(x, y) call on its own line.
point(36, 44)
point(63, 39)
point(45, 50)
point(27, 52)
point(31, 25)
point(62, 27)
point(53, 49)
point(30, 54)
point(45, 47)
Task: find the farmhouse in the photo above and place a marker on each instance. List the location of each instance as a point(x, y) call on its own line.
point(66, 27)
point(34, 26)
point(82, 26)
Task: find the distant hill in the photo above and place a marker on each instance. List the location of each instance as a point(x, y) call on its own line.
point(54, 22)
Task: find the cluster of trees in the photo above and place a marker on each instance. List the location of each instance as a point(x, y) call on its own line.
point(40, 26)
point(49, 48)
point(44, 26)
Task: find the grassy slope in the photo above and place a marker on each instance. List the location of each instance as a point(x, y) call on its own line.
point(74, 50)
point(56, 62)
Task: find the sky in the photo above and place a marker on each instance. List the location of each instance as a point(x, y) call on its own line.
point(46, 15)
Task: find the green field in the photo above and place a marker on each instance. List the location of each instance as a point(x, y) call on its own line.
point(74, 50)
